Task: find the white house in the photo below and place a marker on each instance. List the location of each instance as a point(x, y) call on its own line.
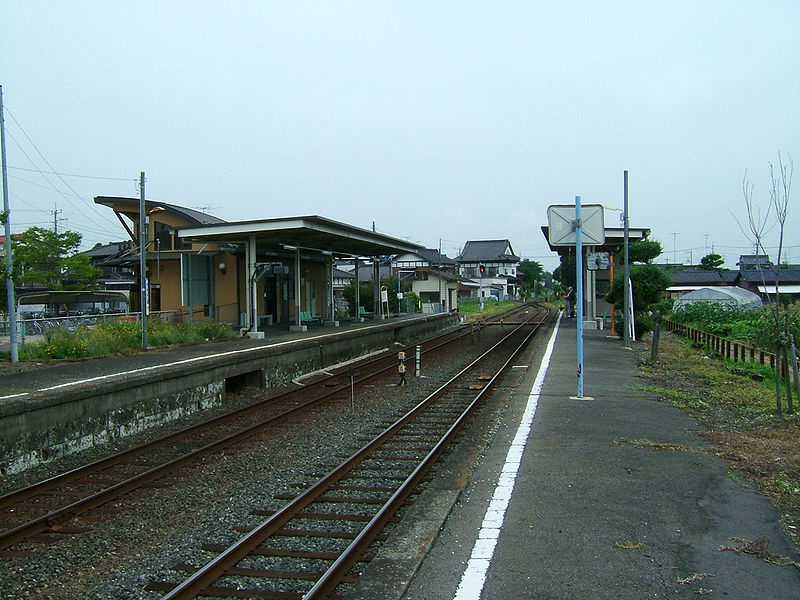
point(433, 276)
point(491, 266)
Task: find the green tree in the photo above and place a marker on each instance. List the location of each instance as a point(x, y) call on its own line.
point(51, 259)
point(565, 272)
point(366, 296)
point(712, 262)
point(532, 275)
point(644, 251)
point(648, 283)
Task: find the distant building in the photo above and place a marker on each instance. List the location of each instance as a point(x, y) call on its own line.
point(499, 277)
point(433, 276)
point(756, 273)
point(749, 262)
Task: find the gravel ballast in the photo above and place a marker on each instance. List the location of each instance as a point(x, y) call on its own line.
point(143, 535)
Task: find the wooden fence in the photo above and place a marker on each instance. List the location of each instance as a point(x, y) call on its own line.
point(730, 349)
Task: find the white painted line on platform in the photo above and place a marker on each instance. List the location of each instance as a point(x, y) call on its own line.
point(474, 576)
point(189, 361)
point(181, 362)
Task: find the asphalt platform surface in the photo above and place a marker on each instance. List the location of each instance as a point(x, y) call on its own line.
point(596, 510)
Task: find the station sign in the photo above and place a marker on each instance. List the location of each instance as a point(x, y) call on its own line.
point(561, 225)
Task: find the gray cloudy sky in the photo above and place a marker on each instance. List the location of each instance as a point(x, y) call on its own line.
point(438, 121)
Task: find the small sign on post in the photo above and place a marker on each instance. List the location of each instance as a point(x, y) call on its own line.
point(597, 261)
point(401, 368)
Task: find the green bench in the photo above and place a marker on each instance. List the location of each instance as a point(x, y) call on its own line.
point(364, 314)
point(307, 319)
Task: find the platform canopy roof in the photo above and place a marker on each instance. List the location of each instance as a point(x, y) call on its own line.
point(308, 233)
point(615, 239)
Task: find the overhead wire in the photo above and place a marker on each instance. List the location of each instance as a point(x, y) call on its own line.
point(55, 189)
point(102, 215)
point(103, 233)
point(130, 179)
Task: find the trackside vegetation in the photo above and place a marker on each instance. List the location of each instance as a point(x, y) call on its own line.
point(756, 326)
point(117, 337)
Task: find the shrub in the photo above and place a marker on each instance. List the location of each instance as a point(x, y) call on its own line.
point(718, 318)
point(648, 283)
point(117, 337)
point(764, 333)
point(756, 326)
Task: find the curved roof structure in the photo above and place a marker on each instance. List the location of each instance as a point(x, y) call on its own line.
point(731, 295)
point(130, 207)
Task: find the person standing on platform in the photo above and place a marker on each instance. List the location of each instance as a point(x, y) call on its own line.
point(569, 302)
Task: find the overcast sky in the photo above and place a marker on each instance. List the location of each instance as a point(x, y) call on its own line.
point(437, 121)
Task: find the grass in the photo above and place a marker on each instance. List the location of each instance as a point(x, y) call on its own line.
point(472, 308)
point(738, 412)
point(116, 337)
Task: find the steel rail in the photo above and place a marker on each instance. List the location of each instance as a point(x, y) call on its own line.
point(34, 489)
point(326, 584)
point(13, 496)
point(217, 567)
point(45, 522)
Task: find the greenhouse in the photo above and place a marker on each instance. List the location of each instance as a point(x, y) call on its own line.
point(728, 295)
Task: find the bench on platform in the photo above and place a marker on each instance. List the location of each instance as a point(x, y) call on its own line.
point(364, 314)
point(307, 319)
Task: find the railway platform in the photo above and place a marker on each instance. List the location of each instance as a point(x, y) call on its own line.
point(52, 411)
point(608, 496)
point(30, 378)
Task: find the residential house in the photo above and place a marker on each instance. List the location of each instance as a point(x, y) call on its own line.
point(756, 273)
point(116, 277)
point(341, 279)
point(492, 265)
point(694, 278)
point(433, 276)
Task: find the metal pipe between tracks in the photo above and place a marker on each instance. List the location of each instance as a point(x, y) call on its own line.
point(216, 568)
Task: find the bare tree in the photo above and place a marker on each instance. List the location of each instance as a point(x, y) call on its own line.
point(759, 226)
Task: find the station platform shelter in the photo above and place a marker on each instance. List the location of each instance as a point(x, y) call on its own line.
point(255, 273)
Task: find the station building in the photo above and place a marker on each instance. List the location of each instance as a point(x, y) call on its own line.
point(253, 273)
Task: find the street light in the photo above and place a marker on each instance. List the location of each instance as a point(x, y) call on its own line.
point(399, 278)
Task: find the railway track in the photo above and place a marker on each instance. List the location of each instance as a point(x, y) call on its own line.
point(51, 504)
point(307, 549)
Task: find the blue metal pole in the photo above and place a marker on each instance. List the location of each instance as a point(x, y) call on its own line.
point(579, 286)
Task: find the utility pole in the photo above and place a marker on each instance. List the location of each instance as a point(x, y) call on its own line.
point(55, 213)
point(12, 304)
point(143, 259)
point(441, 299)
point(674, 255)
point(626, 334)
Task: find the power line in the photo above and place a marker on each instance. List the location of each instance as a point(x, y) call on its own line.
point(75, 175)
point(42, 173)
